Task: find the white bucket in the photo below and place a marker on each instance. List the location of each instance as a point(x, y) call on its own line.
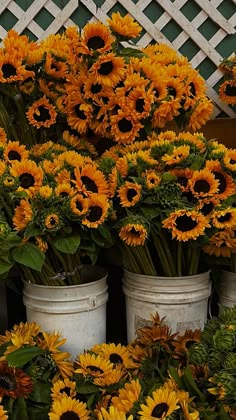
point(227, 289)
point(77, 312)
point(183, 301)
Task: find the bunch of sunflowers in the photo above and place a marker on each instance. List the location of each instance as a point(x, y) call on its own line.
point(227, 90)
point(158, 375)
point(89, 83)
point(173, 197)
point(55, 203)
point(31, 360)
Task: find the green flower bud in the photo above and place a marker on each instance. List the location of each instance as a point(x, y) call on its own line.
point(230, 361)
point(215, 360)
point(224, 340)
point(198, 354)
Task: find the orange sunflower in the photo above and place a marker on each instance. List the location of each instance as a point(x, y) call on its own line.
point(186, 224)
point(133, 234)
point(124, 26)
point(29, 174)
point(23, 215)
point(108, 70)
point(98, 206)
point(42, 113)
point(14, 382)
point(129, 194)
point(96, 37)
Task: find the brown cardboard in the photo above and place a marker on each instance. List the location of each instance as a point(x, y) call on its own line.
point(221, 129)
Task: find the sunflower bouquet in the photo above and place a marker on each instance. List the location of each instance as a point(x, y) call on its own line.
point(158, 375)
point(96, 84)
point(54, 206)
point(173, 198)
point(227, 89)
point(31, 361)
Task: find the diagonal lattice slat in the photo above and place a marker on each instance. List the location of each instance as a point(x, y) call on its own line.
point(167, 14)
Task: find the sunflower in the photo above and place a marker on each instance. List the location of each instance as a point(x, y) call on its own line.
point(11, 68)
point(3, 413)
point(133, 234)
point(207, 205)
point(222, 244)
point(78, 143)
point(64, 190)
point(117, 354)
point(30, 175)
point(45, 191)
point(229, 159)
point(156, 335)
point(62, 388)
point(112, 182)
point(89, 180)
point(227, 92)
point(152, 179)
point(193, 139)
point(122, 166)
point(51, 221)
point(96, 37)
point(112, 414)
point(183, 342)
point(15, 151)
point(127, 396)
point(183, 177)
point(79, 113)
point(54, 67)
point(68, 407)
point(129, 194)
point(227, 185)
point(14, 382)
point(200, 114)
point(41, 244)
point(79, 205)
point(42, 113)
point(110, 378)
point(98, 206)
point(186, 224)
point(203, 183)
point(140, 101)
point(3, 136)
point(161, 405)
point(51, 342)
point(26, 332)
point(108, 70)
point(23, 215)
point(124, 26)
point(224, 218)
point(92, 365)
point(177, 156)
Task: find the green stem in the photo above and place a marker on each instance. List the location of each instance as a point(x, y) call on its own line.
point(130, 262)
point(145, 258)
point(6, 123)
point(179, 258)
point(26, 130)
point(233, 263)
point(194, 261)
point(165, 256)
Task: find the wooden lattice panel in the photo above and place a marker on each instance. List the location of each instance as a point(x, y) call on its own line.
point(203, 30)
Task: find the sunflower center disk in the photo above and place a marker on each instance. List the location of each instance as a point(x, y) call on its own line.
point(95, 43)
point(80, 113)
point(230, 90)
point(224, 218)
point(222, 182)
point(14, 155)
point(42, 114)
point(95, 369)
point(125, 125)
point(69, 415)
point(131, 194)
point(89, 184)
point(185, 223)
point(201, 186)
point(106, 68)
point(159, 410)
point(95, 213)
point(8, 70)
point(26, 180)
point(115, 358)
point(140, 105)
point(96, 88)
point(7, 382)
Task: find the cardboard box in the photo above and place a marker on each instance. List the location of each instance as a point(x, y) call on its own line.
point(221, 129)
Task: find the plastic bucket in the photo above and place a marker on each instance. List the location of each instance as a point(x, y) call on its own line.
point(183, 301)
point(77, 312)
point(227, 289)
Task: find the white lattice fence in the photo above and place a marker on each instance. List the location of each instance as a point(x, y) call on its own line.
point(159, 19)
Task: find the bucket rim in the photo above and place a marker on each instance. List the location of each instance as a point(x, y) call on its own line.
point(166, 278)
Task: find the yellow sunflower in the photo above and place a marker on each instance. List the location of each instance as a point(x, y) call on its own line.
point(224, 218)
point(152, 179)
point(140, 101)
point(79, 113)
point(89, 180)
point(62, 388)
point(229, 159)
point(161, 405)
point(127, 396)
point(133, 234)
point(41, 244)
point(227, 185)
point(122, 166)
point(108, 69)
point(110, 378)
point(178, 155)
point(92, 365)
point(96, 37)
point(15, 151)
point(129, 194)
point(11, 68)
point(54, 67)
point(51, 221)
point(222, 244)
point(118, 354)
point(29, 174)
point(98, 206)
point(183, 177)
point(42, 113)
point(15, 382)
point(124, 26)
point(3, 413)
point(68, 407)
point(64, 190)
point(79, 205)
point(202, 112)
point(186, 224)
point(45, 191)
point(227, 92)
point(203, 183)
point(51, 342)
point(112, 414)
point(23, 215)
point(3, 136)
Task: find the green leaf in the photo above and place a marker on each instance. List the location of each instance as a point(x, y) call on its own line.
point(20, 409)
point(191, 384)
point(32, 230)
point(68, 244)
point(5, 265)
point(23, 355)
point(3, 347)
point(176, 377)
point(29, 255)
point(106, 233)
point(132, 52)
point(87, 389)
point(41, 392)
